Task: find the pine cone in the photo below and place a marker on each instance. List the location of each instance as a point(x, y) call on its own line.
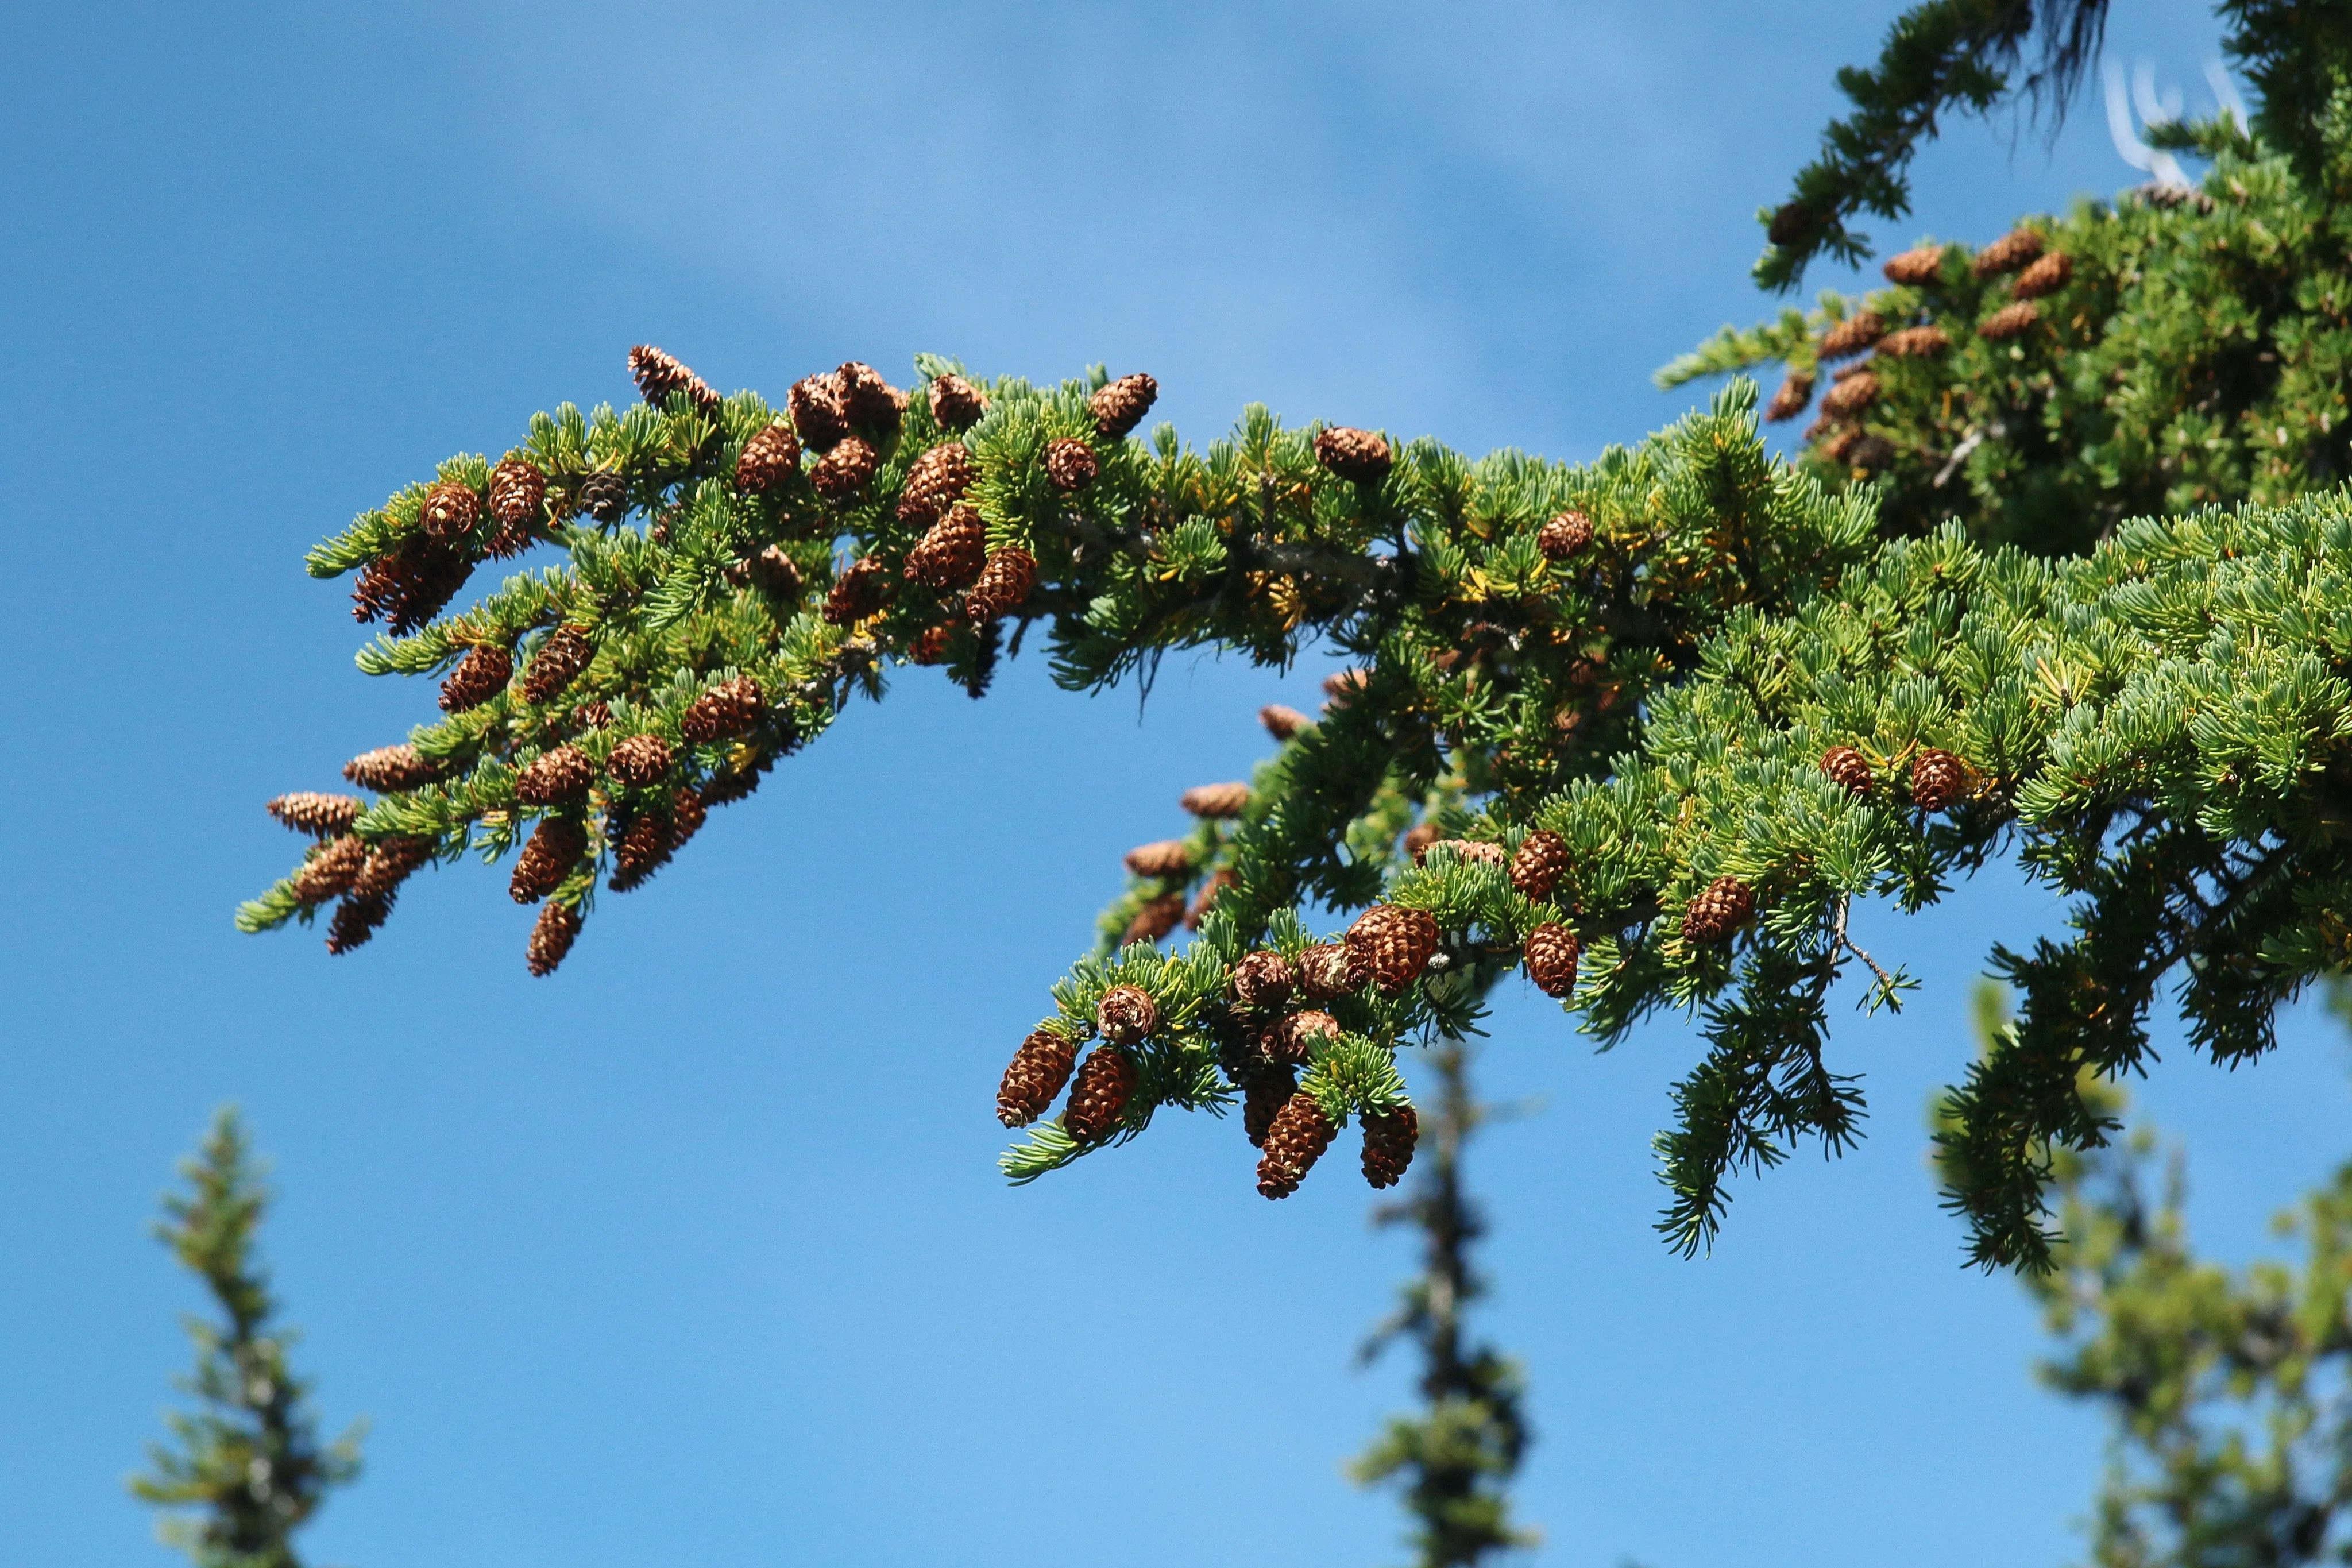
point(481, 675)
point(660, 377)
point(332, 869)
point(1036, 1076)
point(639, 761)
point(2006, 254)
point(552, 936)
point(1796, 392)
point(1098, 1095)
point(553, 777)
point(935, 482)
point(872, 404)
point(1539, 863)
point(1218, 880)
point(1329, 970)
point(1282, 723)
point(1291, 1040)
point(1921, 265)
point(956, 403)
point(1263, 1095)
point(1164, 858)
point(410, 585)
point(1126, 1013)
point(518, 500)
point(1851, 336)
point(2046, 276)
point(1937, 779)
point(2009, 322)
point(1154, 919)
point(1394, 943)
point(1215, 800)
point(605, 496)
point(688, 812)
point(768, 460)
point(561, 657)
point(390, 769)
point(1342, 685)
point(930, 648)
point(775, 574)
point(1721, 910)
point(1004, 585)
point(1551, 952)
point(1791, 223)
point(1070, 464)
point(1262, 981)
point(644, 845)
point(1564, 535)
point(1300, 1133)
point(319, 816)
point(1840, 444)
point(860, 592)
point(592, 715)
point(1359, 456)
point(1870, 454)
point(1469, 850)
point(554, 847)
point(1850, 395)
point(952, 553)
point(1419, 838)
point(450, 510)
point(1916, 342)
point(820, 410)
point(1847, 768)
point(356, 919)
point(1388, 1140)
point(388, 865)
point(730, 708)
point(1121, 406)
point(842, 473)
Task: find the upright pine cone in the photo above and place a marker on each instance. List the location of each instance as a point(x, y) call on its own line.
point(1004, 585)
point(553, 777)
point(390, 769)
point(1851, 336)
point(559, 659)
point(481, 675)
point(872, 404)
point(774, 572)
point(605, 496)
point(935, 482)
point(332, 869)
point(639, 761)
point(1098, 1096)
point(819, 406)
point(1262, 981)
point(450, 510)
point(356, 919)
point(950, 554)
point(1282, 723)
point(554, 847)
point(1292, 1039)
point(518, 500)
point(1121, 406)
point(1551, 952)
point(1721, 910)
point(1263, 1097)
point(2006, 254)
point(319, 816)
point(388, 865)
point(1330, 969)
point(1300, 1133)
point(1163, 857)
point(1795, 395)
point(1394, 943)
point(842, 473)
point(1036, 1076)
point(592, 715)
point(1390, 1137)
point(2046, 276)
point(1921, 265)
point(1847, 768)
point(660, 377)
point(1126, 1013)
point(1539, 863)
point(730, 708)
point(956, 403)
point(2009, 322)
point(552, 936)
point(1937, 779)
point(1070, 464)
point(1360, 455)
point(1850, 395)
point(860, 592)
point(768, 460)
point(1564, 535)
point(1419, 838)
point(1916, 342)
point(1215, 800)
point(1154, 919)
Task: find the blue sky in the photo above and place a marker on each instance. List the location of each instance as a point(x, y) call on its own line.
point(696, 1252)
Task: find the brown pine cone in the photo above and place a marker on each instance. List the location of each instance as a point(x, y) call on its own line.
point(1036, 1076)
point(1851, 336)
point(1342, 685)
point(842, 473)
point(660, 377)
point(1360, 455)
point(1330, 968)
point(1262, 981)
point(552, 936)
point(768, 460)
point(1394, 943)
point(1796, 392)
point(356, 919)
point(1218, 880)
point(950, 554)
point(1847, 768)
point(688, 812)
point(481, 675)
point(1850, 395)
point(1263, 1098)
point(1916, 342)
point(1937, 779)
point(956, 403)
point(872, 404)
point(639, 761)
point(1539, 863)
point(1154, 919)
point(1070, 464)
point(592, 715)
point(644, 845)
point(2009, 322)
point(1300, 1133)
point(820, 410)
point(1098, 1096)
point(2006, 254)
point(935, 482)
point(554, 847)
point(1791, 223)
point(1921, 265)
point(860, 592)
point(730, 708)
point(1216, 800)
point(1469, 850)
point(450, 510)
point(1390, 1137)
point(605, 496)
point(389, 769)
point(1282, 723)
point(1004, 586)
point(1564, 535)
point(1840, 443)
point(319, 816)
point(1713, 915)
point(518, 500)
point(1121, 406)
point(1291, 1040)
point(553, 777)
point(1551, 952)
point(410, 585)
point(388, 865)
point(931, 646)
point(1419, 838)
point(1870, 454)
point(775, 574)
point(1126, 1013)
point(1164, 858)
point(2046, 276)
point(561, 657)
point(332, 869)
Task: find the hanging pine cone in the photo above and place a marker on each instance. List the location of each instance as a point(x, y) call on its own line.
point(410, 585)
point(1851, 336)
point(1300, 1133)
point(660, 377)
point(1539, 863)
point(775, 574)
point(1282, 723)
point(1916, 342)
point(935, 482)
point(1840, 444)
point(1792, 222)
point(1551, 953)
point(639, 761)
point(1121, 406)
point(1922, 264)
point(2009, 322)
point(1291, 1040)
point(956, 403)
point(1218, 880)
point(553, 777)
point(319, 816)
point(2046, 276)
point(931, 646)
point(1262, 981)
point(1154, 919)
point(1850, 395)
point(356, 919)
point(554, 847)
point(1390, 1137)
point(1263, 1098)
point(950, 555)
point(1330, 968)
point(552, 936)
point(1164, 858)
point(1070, 464)
point(332, 869)
point(644, 843)
point(1098, 1095)
point(1036, 1076)
point(1796, 392)
point(768, 460)
point(861, 590)
point(688, 812)
point(1360, 455)
point(1848, 769)
point(481, 675)
point(388, 865)
point(1215, 800)
point(1717, 913)
point(1871, 454)
point(450, 510)
point(1564, 535)
point(1937, 779)
point(1394, 943)
point(390, 769)
point(518, 501)
point(2006, 254)
point(592, 715)
point(1126, 1013)
point(730, 708)
point(605, 496)
point(559, 659)
point(1004, 585)
point(872, 404)
point(842, 473)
